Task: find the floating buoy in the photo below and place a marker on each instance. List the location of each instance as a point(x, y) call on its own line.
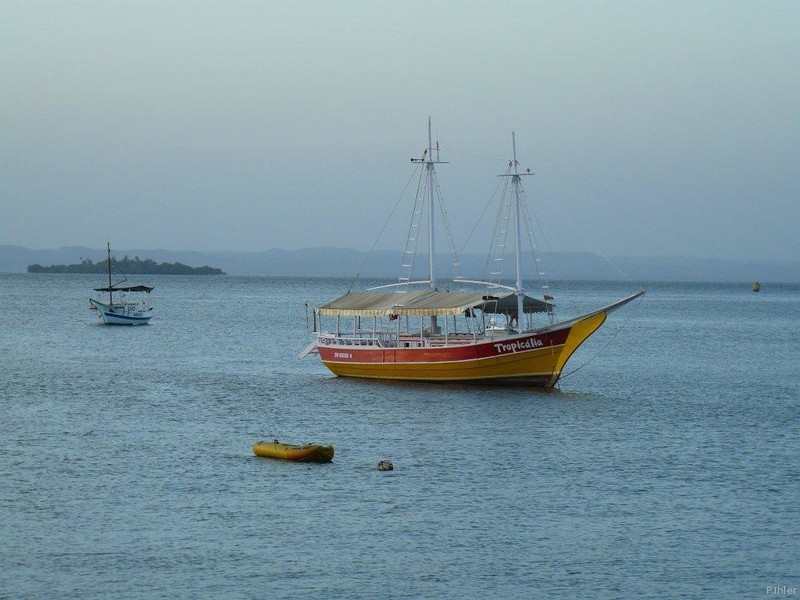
point(756, 287)
point(385, 465)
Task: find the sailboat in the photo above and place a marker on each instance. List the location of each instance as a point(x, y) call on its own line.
point(121, 310)
point(396, 332)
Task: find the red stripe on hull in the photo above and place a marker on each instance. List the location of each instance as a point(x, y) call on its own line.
point(483, 349)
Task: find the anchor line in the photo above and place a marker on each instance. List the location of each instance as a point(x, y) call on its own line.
point(604, 348)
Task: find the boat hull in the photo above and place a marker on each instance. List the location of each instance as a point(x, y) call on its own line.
point(534, 359)
point(121, 314)
point(299, 453)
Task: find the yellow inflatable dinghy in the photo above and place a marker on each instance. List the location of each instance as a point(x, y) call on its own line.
point(303, 453)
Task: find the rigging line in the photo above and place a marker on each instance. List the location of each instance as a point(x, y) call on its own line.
point(613, 264)
point(483, 212)
point(552, 259)
point(544, 282)
point(526, 213)
point(495, 239)
point(613, 337)
point(502, 229)
point(416, 215)
point(448, 230)
point(491, 251)
point(385, 224)
point(495, 260)
point(115, 263)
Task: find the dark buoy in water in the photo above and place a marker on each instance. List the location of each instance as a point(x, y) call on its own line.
point(756, 287)
point(385, 465)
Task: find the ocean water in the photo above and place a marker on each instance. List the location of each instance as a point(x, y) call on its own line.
point(665, 465)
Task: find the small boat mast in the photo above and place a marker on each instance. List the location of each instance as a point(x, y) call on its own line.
point(108, 265)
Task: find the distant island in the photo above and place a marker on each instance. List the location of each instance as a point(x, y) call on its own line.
point(128, 266)
point(384, 264)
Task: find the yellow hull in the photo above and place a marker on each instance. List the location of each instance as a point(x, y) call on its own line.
point(540, 366)
point(300, 453)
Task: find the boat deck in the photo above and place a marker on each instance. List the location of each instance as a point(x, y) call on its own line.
point(407, 340)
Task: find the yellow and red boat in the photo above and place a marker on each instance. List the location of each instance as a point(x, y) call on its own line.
point(299, 453)
point(532, 357)
point(460, 335)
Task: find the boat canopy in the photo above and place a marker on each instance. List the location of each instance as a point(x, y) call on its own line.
point(133, 288)
point(426, 303)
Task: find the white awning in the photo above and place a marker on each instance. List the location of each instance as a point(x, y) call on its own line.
point(426, 303)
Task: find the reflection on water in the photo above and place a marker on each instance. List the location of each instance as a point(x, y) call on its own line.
point(661, 468)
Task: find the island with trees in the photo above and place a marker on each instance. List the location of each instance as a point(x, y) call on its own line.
point(129, 266)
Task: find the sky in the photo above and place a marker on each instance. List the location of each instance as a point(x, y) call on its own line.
point(654, 128)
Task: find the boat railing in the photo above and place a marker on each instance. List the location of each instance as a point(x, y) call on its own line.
point(390, 339)
point(411, 340)
point(332, 339)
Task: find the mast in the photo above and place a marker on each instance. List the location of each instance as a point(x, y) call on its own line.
point(517, 235)
point(431, 246)
point(108, 264)
point(430, 191)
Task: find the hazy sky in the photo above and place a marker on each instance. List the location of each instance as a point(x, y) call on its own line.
point(667, 128)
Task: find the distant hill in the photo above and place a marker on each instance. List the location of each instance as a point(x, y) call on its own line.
point(343, 262)
point(128, 266)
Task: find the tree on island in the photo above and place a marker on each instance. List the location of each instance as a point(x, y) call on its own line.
point(128, 266)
